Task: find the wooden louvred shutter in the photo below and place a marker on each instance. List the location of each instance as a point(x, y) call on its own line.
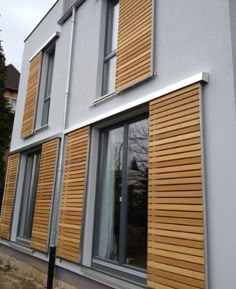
point(134, 51)
point(44, 195)
point(31, 96)
point(71, 212)
point(9, 195)
point(176, 214)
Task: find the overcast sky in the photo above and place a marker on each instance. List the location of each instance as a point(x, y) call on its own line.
point(18, 19)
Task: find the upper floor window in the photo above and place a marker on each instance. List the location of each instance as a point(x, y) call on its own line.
point(48, 62)
point(109, 69)
point(12, 103)
point(45, 86)
point(39, 88)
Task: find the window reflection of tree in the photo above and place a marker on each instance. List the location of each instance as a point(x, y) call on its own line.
point(138, 164)
point(118, 183)
point(137, 193)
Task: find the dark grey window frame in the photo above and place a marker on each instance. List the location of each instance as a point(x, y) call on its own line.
point(121, 270)
point(34, 174)
point(108, 55)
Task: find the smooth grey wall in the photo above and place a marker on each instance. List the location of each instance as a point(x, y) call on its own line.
point(232, 4)
point(77, 281)
point(190, 37)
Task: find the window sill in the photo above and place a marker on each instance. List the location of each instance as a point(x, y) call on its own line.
point(135, 275)
point(116, 93)
point(23, 246)
point(110, 280)
point(44, 127)
point(23, 242)
point(104, 98)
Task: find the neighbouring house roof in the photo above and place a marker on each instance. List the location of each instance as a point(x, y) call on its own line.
point(12, 78)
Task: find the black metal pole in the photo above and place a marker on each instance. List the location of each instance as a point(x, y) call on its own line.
point(51, 266)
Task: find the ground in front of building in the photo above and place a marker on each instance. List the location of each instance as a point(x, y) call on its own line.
point(17, 274)
point(10, 278)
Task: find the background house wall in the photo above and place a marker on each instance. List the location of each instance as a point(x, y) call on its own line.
point(190, 37)
point(11, 85)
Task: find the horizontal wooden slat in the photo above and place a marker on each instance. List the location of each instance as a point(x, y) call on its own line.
point(177, 214)
point(176, 227)
point(175, 248)
point(177, 241)
point(178, 174)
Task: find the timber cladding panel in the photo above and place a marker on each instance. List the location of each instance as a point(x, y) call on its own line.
point(175, 214)
point(9, 196)
point(45, 190)
point(134, 51)
point(31, 96)
point(74, 181)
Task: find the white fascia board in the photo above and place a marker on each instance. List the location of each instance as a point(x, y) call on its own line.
point(53, 37)
point(200, 77)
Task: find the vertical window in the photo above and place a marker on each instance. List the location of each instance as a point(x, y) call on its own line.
point(28, 196)
point(109, 69)
point(48, 61)
point(12, 103)
point(121, 234)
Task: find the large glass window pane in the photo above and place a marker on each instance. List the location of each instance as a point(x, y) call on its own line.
point(32, 195)
point(109, 69)
point(112, 26)
point(28, 196)
point(122, 196)
point(13, 104)
point(110, 192)
point(25, 195)
point(49, 73)
point(136, 251)
point(45, 115)
point(109, 75)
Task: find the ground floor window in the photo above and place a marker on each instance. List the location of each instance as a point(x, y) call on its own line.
point(28, 195)
point(121, 214)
